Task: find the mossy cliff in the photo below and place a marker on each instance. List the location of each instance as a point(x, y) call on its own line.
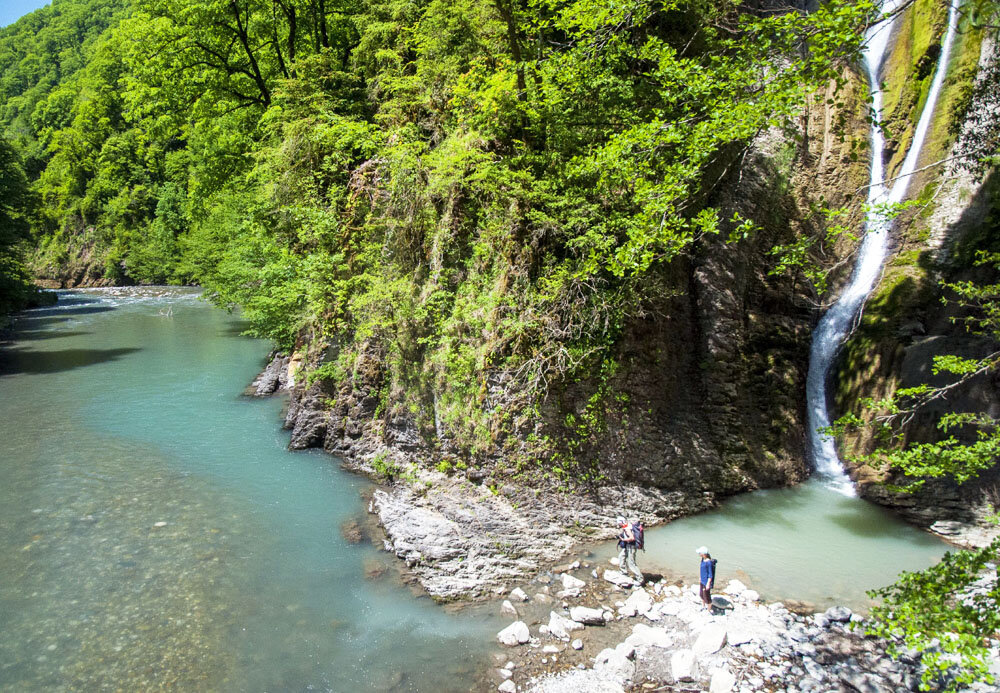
point(704, 393)
point(905, 324)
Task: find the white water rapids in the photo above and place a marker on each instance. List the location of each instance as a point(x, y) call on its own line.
point(838, 321)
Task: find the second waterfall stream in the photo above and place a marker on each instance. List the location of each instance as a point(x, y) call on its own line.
point(835, 325)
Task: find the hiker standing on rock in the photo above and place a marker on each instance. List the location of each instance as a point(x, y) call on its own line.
point(629, 541)
point(707, 576)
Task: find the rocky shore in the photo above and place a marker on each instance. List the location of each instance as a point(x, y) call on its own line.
point(588, 629)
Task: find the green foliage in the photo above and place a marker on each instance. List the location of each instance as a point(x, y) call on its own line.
point(935, 611)
point(16, 204)
point(946, 612)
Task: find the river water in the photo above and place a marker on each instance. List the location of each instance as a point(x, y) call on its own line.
point(809, 544)
point(156, 532)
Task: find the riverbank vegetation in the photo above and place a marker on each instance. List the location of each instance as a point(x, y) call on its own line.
point(463, 190)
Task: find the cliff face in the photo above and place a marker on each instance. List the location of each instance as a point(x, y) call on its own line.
point(709, 389)
point(707, 398)
point(905, 322)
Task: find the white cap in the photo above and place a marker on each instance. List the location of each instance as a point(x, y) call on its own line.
point(701, 549)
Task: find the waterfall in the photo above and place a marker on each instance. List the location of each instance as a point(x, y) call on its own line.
point(835, 325)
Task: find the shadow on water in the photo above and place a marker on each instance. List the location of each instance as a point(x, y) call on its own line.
point(58, 311)
point(861, 525)
point(237, 330)
point(14, 361)
point(35, 335)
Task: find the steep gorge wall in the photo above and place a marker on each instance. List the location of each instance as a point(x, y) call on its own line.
point(708, 395)
point(905, 324)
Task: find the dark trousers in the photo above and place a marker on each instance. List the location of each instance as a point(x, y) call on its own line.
point(706, 595)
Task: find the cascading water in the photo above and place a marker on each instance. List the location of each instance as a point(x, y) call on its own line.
point(837, 322)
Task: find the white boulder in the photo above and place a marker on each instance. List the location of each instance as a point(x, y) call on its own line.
point(507, 609)
point(647, 636)
point(711, 639)
point(514, 634)
point(569, 582)
point(584, 614)
point(616, 578)
point(519, 595)
point(723, 681)
point(639, 602)
point(683, 665)
point(735, 588)
point(507, 686)
point(560, 626)
point(738, 634)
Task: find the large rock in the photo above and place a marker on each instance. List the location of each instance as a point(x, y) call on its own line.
point(639, 602)
point(616, 662)
point(507, 609)
point(735, 588)
point(723, 681)
point(572, 583)
point(518, 595)
point(507, 686)
point(514, 634)
point(711, 639)
point(584, 614)
point(738, 633)
point(839, 614)
point(646, 636)
point(560, 626)
point(616, 578)
point(683, 666)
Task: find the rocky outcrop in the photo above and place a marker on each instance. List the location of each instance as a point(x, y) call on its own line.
point(273, 379)
point(461, 539)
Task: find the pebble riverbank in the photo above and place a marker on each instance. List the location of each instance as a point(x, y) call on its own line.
point(587, 629)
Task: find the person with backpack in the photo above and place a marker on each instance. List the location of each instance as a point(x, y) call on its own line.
point(630, 540)
point(707, 575)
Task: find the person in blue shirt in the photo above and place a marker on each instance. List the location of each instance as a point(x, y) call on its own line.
point(707, 574)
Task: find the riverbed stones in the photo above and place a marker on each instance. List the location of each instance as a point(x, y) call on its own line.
point(683, 666)
point(518, 595)
point(507, 686)
point(587, 615)
point(570, 583)
point(507, 609)
point(711, 639)
point(577, 644)
point(560, 626)
point(514, 634)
